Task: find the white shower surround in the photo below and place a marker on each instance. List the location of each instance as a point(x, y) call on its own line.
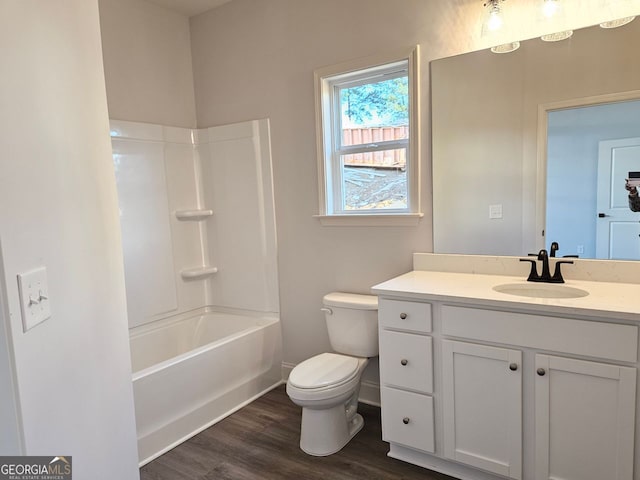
point(199, 238)
point(161, 171)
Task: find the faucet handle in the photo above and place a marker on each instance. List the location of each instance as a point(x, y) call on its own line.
point(533, 274)
point(557, 274)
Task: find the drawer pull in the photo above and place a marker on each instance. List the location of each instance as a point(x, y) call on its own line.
point(406, 420)
point(541, 372)
point(513, 367)
point(403, 316)
point(404, 361)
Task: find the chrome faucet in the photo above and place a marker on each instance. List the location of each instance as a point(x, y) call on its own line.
point(545, 276)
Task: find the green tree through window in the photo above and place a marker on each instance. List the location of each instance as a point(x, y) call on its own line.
point(381, 103)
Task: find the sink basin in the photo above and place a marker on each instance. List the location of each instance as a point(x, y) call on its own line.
point(540, 290)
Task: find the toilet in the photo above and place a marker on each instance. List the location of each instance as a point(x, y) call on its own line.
point(326, 386)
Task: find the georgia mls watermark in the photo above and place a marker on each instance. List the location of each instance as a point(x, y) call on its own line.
point(35, 468)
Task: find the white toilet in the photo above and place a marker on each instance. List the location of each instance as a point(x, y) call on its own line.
point(326, 386)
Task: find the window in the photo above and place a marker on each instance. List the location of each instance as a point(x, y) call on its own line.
point(368, 149)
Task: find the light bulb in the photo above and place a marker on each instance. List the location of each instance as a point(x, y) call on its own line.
point(494, 22)
point(494, 19)
point(550, 8)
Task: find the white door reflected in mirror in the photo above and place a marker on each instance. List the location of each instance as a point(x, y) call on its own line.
point(618, 228)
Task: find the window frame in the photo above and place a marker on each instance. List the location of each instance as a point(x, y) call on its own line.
point(328, 81)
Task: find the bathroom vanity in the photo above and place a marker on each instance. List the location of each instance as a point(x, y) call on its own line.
point(487, 376)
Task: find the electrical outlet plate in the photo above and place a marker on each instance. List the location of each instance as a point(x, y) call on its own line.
point(34, 297)
point(495, 211)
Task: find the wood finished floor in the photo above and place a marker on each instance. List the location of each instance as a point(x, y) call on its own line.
point(260, 441)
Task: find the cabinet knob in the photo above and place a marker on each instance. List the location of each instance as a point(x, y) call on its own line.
point(541, 372)
point(404, 361)
point(403, 316)
point(405, 420)
point(513, 367)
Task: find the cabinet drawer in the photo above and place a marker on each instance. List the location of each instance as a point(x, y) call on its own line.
point(409, 316)
point(407, 419)
point(406, 360)
point(579, 337)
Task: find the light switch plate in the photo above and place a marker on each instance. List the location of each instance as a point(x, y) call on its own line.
point(34, 297)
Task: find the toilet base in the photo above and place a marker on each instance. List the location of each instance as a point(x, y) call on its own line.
point(325, 432)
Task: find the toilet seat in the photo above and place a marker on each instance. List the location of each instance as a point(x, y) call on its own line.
point(325, 376)
point(324, 370)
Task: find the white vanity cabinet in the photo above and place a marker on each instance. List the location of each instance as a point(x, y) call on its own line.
point(497, 393)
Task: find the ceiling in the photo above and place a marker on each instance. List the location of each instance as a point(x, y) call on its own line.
point(189, 7)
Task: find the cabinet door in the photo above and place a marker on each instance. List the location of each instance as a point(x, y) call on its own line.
point(482, 407)
point(585, 418)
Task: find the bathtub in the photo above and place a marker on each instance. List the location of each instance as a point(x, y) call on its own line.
point(190, 372)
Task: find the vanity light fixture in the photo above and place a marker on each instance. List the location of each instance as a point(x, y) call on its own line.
point(506, 47)
point(557, 37)
point(617, 23)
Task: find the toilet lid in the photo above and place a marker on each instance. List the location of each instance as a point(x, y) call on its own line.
point(323, 370)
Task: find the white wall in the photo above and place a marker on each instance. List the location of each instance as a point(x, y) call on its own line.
point(147, 59)
point(11, 439)
point(58, 208)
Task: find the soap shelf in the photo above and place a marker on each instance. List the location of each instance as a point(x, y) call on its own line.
point(198, 273)
point(193, 215)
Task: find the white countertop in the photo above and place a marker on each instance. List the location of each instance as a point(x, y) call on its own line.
point(610, 301)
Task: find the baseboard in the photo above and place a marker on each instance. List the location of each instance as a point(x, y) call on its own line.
point(286, 370)
point(369, 391)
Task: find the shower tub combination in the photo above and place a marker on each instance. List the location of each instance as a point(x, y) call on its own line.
point(192, 371)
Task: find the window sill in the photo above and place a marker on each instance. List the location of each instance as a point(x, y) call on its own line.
point(371, 220)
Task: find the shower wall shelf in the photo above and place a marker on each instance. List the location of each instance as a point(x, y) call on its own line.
point(193, 215)
point(198, 273)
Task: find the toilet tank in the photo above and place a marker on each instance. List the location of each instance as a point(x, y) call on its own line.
point(352, 323)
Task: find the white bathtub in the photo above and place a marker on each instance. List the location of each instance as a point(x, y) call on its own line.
point(191, 372)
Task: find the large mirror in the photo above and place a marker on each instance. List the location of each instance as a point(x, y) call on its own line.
point(534, 146)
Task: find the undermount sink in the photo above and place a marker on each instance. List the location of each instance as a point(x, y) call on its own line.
point(540, 290)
